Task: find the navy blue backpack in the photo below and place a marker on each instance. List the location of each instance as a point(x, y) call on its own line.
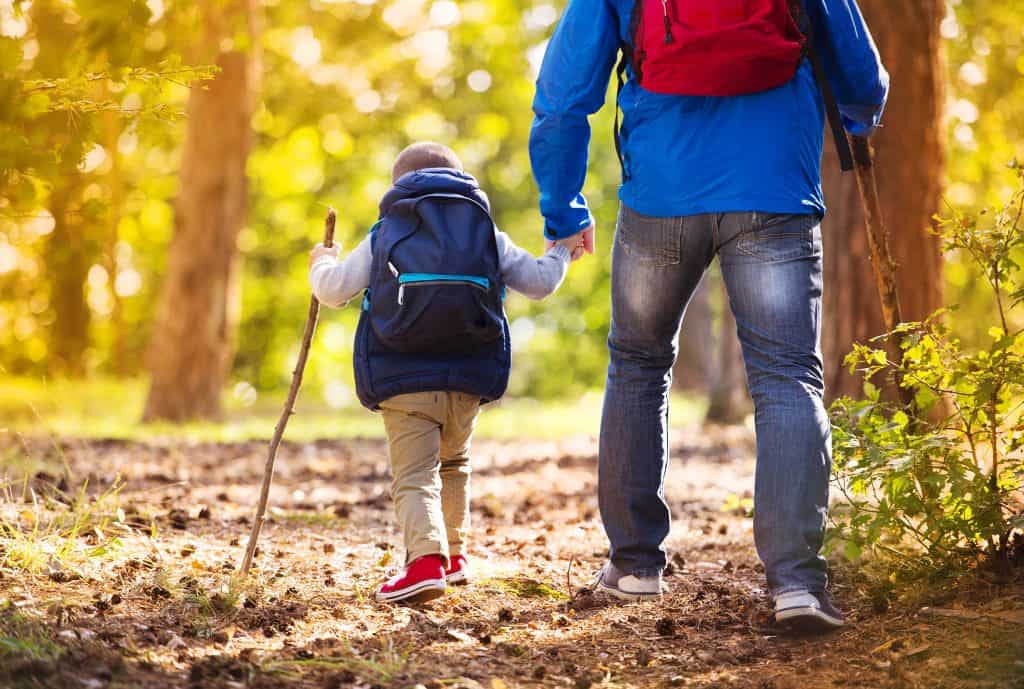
point(433, 317)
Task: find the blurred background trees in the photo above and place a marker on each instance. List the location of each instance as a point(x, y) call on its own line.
point(132, 244)
point(193, 344)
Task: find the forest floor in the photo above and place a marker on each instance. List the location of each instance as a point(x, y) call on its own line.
point(133, 587)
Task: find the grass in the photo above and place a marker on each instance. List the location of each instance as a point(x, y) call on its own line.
point(381, 666)
point(109, 408)
point(54, 532)
point(307, 518)
point(524, 587)
point(23, 637)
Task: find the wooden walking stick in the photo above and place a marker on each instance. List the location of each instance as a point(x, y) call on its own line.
point(289, 409)
point(878, 245)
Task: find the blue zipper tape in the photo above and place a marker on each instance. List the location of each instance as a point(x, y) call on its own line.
point(412, 278)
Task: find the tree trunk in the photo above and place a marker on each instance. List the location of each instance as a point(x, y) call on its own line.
point(909, 165)
point(696, 344)
point(193, 340)
point(729, 402)
point(68, 259)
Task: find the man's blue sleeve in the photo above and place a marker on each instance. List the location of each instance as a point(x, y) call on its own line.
point(571, 86)
point(852, 63)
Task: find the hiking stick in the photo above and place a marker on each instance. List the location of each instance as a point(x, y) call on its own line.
point(878, 244)
point(289, 409)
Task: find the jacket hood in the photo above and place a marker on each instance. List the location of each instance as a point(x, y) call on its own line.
point(434, 180)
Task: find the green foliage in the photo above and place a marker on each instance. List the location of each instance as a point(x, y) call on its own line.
point(82, 85)
point(24, 637)
point(52, 532)
point(89, 164)
point(69, 408)
point(945, 478)
point(985, 116)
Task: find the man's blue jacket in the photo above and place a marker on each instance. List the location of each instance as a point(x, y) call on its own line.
point(686, 155)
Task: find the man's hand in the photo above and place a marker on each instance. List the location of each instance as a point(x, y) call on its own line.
point(579, 243)
point(321, 250)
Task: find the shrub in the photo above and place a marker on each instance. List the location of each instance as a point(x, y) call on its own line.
point(939, 482)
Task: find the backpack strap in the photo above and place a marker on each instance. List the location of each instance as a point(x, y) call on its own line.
point(620, 75)
point(626, 60)
point(835, 118)
point(373, 244)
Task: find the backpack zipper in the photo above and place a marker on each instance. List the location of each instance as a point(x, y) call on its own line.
point(668, 23)
point(426, 279)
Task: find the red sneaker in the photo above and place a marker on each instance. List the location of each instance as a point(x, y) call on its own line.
point(420, 581)
point(458, 571)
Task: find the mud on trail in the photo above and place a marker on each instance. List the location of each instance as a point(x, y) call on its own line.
point(152, 604)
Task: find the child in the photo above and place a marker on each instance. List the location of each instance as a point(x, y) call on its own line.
point(432, 344)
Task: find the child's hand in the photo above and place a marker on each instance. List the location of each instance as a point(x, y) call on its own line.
point(574, 244)
point(321, 250)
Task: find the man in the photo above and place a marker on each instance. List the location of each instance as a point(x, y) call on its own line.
point(736, 176)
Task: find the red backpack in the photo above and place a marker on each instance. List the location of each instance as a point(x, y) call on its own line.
point(724, 48)
point(714, 47)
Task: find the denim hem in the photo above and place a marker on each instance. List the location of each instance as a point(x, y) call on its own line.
point(646, 573)
point(796, 589)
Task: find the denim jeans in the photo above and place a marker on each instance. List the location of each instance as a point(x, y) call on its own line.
point(771, 265)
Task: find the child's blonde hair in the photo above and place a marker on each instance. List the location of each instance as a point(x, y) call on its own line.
point(424, 154)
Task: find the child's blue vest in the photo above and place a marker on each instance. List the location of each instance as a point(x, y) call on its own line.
point(433, 317)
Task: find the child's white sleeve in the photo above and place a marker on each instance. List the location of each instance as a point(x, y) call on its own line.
point(533, 277)
point(335, 282)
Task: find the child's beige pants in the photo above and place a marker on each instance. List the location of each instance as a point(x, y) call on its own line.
point(428, 440)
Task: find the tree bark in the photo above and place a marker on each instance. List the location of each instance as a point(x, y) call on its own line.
point(192, 346)
point(68, 261)
point(909, 164)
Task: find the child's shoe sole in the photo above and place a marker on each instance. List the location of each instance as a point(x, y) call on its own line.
point(420, 593)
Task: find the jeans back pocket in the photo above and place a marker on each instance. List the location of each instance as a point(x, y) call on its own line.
point(649, 239)
point(780, 236)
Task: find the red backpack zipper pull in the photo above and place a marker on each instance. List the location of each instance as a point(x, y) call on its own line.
point(668, 23)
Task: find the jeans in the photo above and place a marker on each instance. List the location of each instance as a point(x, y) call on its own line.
point(771, 265)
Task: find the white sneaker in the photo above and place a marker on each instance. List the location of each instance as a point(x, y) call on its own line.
point(626, 586)
point(806, 612)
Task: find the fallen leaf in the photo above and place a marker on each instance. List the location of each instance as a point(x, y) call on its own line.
point(917, 649)
point(460, 636)
point(950, 612)
point(884, 646)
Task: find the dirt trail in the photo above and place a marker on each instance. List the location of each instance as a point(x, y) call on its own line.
point(159, 611)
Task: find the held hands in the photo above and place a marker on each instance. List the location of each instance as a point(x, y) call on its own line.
point(578, 244)
point(321, 250)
